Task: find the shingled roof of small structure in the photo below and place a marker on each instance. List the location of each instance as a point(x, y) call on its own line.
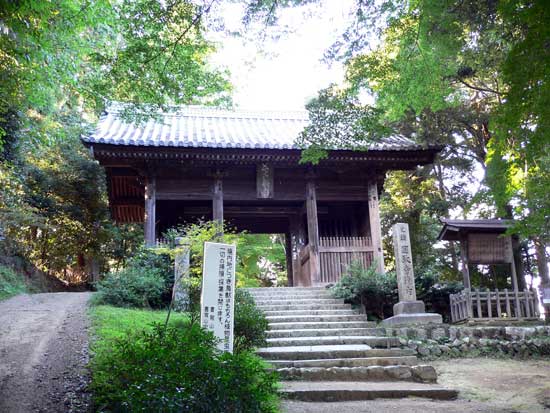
point(204, 127)
point(452, 227)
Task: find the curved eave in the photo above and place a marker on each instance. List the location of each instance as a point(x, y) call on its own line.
point(401, 157)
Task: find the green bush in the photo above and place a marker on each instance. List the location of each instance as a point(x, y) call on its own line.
point(250, 322)
point(180, 370)
point(376, 292)
point(11, 283)
point(146, 282)
point(131, 287)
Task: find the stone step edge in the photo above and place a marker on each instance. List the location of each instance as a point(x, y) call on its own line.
point(349, 391)
point(347, 362)
point(418, 373)
point(292, 353)
point(324, 330)
point(373, 341)
point(336, 311)
point(304, 325)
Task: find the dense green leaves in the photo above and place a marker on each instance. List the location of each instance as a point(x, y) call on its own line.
point(61, 63)
point(184, 373)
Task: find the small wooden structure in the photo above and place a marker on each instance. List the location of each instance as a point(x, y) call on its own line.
point(485, 241)
point(244, 168)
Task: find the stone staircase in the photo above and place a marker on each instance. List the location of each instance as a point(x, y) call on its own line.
point(325, 351)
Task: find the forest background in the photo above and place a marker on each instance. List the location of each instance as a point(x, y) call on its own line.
point(471, 76)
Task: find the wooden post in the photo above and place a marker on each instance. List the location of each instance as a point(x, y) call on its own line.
point(217, 202)
point(464, 258)
point(375, 228)
point(297, 240)
point(289, 259)
point(313, 231)
point(515, 287)
point(150, 210)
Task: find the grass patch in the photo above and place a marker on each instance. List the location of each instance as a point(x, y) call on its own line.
point(138, 365)
point(114, 322)
point(11, 283)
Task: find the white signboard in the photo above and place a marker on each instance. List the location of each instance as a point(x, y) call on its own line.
point(218, 292)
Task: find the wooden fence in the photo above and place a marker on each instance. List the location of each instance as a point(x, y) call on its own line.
point(337, 253)
point(494, 305)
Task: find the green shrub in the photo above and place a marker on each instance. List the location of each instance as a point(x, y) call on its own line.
point(131, 287)
point(250, 322)
point(154, 261)
point(146, 282)
point(376, 292)
point(180, 370)
point(11, 283)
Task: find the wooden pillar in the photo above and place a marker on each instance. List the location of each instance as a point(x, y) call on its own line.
point(217, 201)
point(289, 259)
point(464, 258)
point(150, 210)
point(313, 231)
point(375, 227)
point(297, 240)
point(510, 258)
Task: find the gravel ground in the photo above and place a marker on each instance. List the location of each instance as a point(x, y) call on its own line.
point(43, 353)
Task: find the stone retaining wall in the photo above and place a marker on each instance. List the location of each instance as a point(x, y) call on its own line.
point(434, 341)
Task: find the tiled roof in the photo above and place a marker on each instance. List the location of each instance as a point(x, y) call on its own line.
point(196, 126)
point(451, 227)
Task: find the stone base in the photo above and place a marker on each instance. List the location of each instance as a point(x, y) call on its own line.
point(412, 312)
point(418, 318)
point(409, 307)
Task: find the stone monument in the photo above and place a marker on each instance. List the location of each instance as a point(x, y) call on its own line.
point(181, 276)
point(408, 310)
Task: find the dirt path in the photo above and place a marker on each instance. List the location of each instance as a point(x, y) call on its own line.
point(43, 353)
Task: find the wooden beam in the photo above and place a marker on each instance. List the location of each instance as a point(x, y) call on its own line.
point(150, 210)
point(313, 231)
point(375, 227)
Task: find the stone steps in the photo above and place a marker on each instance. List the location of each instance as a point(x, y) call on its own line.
point(320, 324)
point(329, 352)
point(333, 391)
point(418, 373)
point(310, 312)
point(304, 296)
point(294, 306)
point(371, 331)
point(306, 301)
point(347, 362)
point(386, 342)
point(325, 351)
point(292, 318)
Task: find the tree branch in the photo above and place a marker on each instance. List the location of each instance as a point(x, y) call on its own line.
point(478, 88)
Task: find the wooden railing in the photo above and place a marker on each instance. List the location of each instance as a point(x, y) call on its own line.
point(494, 305)
point(337, 253)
